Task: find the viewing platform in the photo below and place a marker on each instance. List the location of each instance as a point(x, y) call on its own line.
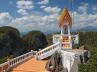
point(63, 43)
point(31, 65)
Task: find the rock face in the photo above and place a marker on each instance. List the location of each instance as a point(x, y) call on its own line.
point(55, 63)
point(63, 61)
point(10, 42)
point(34, 40)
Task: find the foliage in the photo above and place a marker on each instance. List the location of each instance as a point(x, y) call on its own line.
point(4, 59)
point(49, 39)
point(7, 29)
point(89, 39)
point(10, 42)
point(75, 46)
point(34, 40)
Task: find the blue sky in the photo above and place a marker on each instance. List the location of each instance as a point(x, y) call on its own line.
point(27, 15)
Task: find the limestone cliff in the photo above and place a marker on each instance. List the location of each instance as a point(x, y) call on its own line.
point(10, 42)
point(63, 61)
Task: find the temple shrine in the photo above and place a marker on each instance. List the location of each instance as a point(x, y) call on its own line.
point(35, 61)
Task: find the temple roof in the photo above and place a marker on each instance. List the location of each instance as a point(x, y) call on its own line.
point(65, 16)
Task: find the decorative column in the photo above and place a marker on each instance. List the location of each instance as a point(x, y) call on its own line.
point(61, 33)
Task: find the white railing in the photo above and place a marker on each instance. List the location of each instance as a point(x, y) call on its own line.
point(13, 62)
point(48, 51)
point(59, 35)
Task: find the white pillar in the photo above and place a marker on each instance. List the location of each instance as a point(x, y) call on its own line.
point(68, 30)
point(69, 33)
point(61, 32)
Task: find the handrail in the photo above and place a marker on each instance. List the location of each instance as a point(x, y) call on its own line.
point(48, 49)
point(63, 34)
point(13, 62)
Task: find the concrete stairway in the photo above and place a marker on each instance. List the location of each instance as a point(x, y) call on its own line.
point(46, 52)
point(30, 62)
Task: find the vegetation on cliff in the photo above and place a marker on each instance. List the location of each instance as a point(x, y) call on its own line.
point(49, 39)
point(12, 45)
point(8, 29)
point(10, 41)
point(89, 40)
point(34, 40)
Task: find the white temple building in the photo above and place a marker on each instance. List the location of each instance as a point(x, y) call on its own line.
point(63, 43)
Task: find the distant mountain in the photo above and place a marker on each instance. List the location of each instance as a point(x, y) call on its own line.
point(23, 33)
point(88, 28)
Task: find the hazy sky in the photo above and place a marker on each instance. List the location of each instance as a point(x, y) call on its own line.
point(43, 15)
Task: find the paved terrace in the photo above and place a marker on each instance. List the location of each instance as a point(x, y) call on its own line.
point(32, 65)
point(29, 63)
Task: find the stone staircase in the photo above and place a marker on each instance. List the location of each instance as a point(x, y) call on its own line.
point(46, 52)
point(19, 64)
point(14, 62)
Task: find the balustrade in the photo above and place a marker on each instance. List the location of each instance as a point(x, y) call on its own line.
point(48, 51)
point(13, 62)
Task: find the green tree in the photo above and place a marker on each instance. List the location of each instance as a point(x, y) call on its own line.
point(10, 42)
point(34, 40)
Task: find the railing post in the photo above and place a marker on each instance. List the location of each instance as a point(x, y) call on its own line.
point(11, 63)
point(42, 53)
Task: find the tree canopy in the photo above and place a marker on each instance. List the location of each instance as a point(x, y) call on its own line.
point(10, 41)
point(34, 40)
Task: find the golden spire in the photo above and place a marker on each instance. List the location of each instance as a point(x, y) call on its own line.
point(65, 16)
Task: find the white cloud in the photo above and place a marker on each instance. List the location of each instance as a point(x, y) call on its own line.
point(42, 6)
point(94, 8)
point(43, 2)
point(83, 20)
point(41, 22)
point(36, 22)
point(25, 4)
point(5, 18)
point(86, 17)
point(22, 12)
point(83, 8)
point(46, 23)
point(52, 9)
point(51, 17)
